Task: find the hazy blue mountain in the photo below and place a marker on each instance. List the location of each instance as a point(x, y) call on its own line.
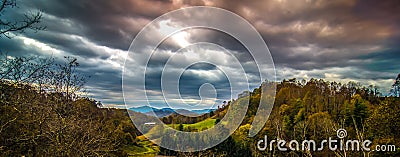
point(142, 109)
point(186, 112)
point(203, 111)
point(163, 112)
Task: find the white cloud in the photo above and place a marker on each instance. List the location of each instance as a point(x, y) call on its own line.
point(42, 47)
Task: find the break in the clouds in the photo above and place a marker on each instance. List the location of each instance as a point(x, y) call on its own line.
point(345, 40)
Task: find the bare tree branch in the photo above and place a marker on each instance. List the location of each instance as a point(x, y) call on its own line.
point(29, 21)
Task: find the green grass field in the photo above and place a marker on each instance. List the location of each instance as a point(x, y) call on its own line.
point(205, 124)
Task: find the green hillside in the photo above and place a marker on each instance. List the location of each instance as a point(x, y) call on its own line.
point(205, 124)
point(202, 125)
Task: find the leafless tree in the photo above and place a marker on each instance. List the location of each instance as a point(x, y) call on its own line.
point(396, 87)
point(27, 69)
point(65, 77)
point(30, 20)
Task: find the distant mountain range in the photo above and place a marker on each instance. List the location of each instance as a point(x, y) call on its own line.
point(163, 112)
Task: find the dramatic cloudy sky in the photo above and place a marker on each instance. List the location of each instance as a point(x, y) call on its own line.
point(345, 40)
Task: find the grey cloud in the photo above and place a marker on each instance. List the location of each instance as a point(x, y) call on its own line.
point(350, 39)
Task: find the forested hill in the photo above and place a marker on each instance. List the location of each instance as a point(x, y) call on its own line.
point(316, 109)
point(41, 113)
point(35, 123)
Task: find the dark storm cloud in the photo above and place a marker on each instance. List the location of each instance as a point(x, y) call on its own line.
point(103, 22)
point(11, 47)
point(345, 39)
point(203, 66)
point(109, 23)
point(189, 83)
point(69, 43)
point(387, 60)
point(345, 27)
point(205, 35)
point(384, 12)
point(106, 81)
